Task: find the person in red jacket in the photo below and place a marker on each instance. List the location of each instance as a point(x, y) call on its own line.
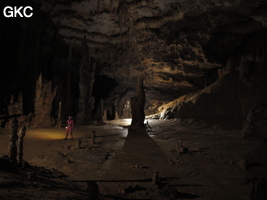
point(69, 127)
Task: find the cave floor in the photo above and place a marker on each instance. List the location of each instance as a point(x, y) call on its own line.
point(122, 163)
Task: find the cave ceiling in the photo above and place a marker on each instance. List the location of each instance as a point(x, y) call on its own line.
point(172, 44)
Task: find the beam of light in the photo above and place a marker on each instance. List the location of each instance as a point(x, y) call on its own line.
point(120, 122)
point(127, 121)
point(47, 134)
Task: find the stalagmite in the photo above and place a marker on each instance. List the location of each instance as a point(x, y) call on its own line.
point(59, 120)
point(116, 115)
point(126, 111)
point(87, 79)
point(155, 178)
point(93, 190)
point(44, 97)
point(180, 146)
point(79, 142)
point(137, 107)
point(15, 107)
point(93, 137)
point(123, 15)
point(104, 117)
point(12, 149)
point(21, 135)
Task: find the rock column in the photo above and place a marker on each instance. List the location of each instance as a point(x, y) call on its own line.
point(137, 107)
point(87, 79)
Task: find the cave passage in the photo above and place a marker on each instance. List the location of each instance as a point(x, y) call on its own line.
point(102, 88)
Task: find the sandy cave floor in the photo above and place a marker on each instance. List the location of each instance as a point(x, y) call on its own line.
point(122, 163)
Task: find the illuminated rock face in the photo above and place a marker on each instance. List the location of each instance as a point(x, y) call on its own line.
point(177, 46)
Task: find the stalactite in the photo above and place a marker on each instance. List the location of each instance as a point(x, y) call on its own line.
point(111, 6)
point(69, 77)
point(131, 28)
point(123, 15)
point(120, 22)
point(98, 4)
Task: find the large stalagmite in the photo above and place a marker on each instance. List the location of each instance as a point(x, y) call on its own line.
point(137, 107)
point(44, 96)
point(87, 79)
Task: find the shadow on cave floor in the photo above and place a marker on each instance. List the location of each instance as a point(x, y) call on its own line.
point(137, 160)
point(139, 143)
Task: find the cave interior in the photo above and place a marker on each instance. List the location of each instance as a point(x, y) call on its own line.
point(201, 106)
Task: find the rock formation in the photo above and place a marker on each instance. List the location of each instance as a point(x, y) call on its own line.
point(126, 111)
point(234, 94)
point(12, 148)
point(44, 96)
point(255, 124)
point(176, 44)
point(180, 47)
point(21, 135)
point(155, 178)
point(16, 108)
point(137, 107)
point(92, 141)
point(59, 117)
point(87, 78)
point(104, 117)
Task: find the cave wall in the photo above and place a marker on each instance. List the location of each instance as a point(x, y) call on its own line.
point(177, 47)
point(243, 86)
